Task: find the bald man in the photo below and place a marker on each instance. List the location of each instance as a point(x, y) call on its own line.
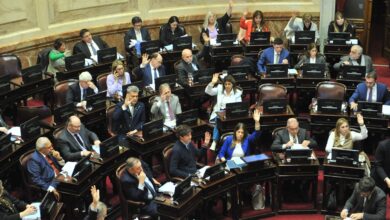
point(291, 135)
point(75, 140)
point(355, 58)
point(150, 69)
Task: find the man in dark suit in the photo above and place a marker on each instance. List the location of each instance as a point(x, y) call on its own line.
point(137, 33)
point(89, 45)
point(291, 135)
point(139, 185)
point(184, 153)
point(78, 92)
point(370, 91)
point(43, 167)
point(75, 141)
point(367, 202)
point(381, 170)
point(273, 55)
point(150, 69)
point(355, 58)
point(129, 115)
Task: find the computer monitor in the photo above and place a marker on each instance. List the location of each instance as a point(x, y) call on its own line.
point(329, 106)
point(181, 43)
point(239, 72)
point(214, 169)
point(305, 37)
point(5, 85)
point(30, 129)
point(74, 62)
point(152, 129)
point(275, 106)
point(345, 156)
point(373, 109)
point(339, 38)
point(298, 153)
point(353, 72)
point(61, 114)
point(5, 144)
point(96, 101)
point(170, 79)
point(109, 147)
point(237, 109)
point(150, 47)
point(189, 117)
point(260, 38)
point(32, 74)
point(277, 70)
point(139, 85)
point(226, 39)
point(47, 206)
point(82, 167)
point(203, 76)
point(181, 189)
point(313, 70)
point(107, 55)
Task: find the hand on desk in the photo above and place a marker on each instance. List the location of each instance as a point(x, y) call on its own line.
point(4, 130)
point(85, 153)
point(56, 194)
point(305, 143)
point(156, 182)
point(346, 63)
point(344, 214)
point(131, 133)
point(357, 216)
point(285, 61)
point(289, 144)
point(30, 209)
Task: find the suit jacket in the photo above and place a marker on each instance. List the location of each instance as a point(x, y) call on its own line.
point(183, 161)
point(183, 68)
point(305, 60)
point(267, 57)
point(82, 47)
point(227, 151)
point(375, 207)
point(367, 61)
point(381, 170)
point(70, 148)
point(146, 74)
point(92, 215)
point(282, 137)
point(166, 35)
point(74, 93)
point(7, 214)
point(220, 27)
point(41, 173)
point(130, 35)
point(124, 122)
point(159, 112)
point(360, 94)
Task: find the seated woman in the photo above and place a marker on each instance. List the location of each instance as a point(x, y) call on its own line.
point(340, 24)
point(343, 137)
point(237, 145)
point(116, 80)
point(256, 24)
point(171, 30)
point(311, 56)
point(301, 24)
point(213, 26)
point(57, 56)
point(228, 92)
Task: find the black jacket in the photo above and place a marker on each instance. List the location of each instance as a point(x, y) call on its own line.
point(130, 35)
point(220, 26)
point(6, 214)
point(166, 35)
point(82, 47)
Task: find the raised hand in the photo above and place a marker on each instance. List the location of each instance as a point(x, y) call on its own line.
point(145, 59)
point(256, 115)
point(215, 78)
point(95, 193)
point(207, 138)
point(360, 119)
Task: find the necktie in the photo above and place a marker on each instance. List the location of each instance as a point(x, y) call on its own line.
point(171, 115)
point(78, 139)
point(155, 73)
point(84, 94)
point(295, 139)
point(369, 95)
point(51, 162)
point(150, 187)
point(93, 49)
point(277, 57)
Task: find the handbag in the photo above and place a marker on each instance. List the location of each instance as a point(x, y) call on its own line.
point(258, 197)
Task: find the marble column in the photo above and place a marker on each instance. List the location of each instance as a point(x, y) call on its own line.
point(327, 11)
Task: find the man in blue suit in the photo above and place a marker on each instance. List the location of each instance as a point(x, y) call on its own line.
point(273, 55)
point(370, 91)
point(129, 115)
point(150, 69)
point(44, 167)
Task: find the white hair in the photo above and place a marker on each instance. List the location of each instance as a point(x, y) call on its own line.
point(101, 209)
point(41, 142)
point(132, 89)
point(358, 48)
point(292, 120)
point(85, 76)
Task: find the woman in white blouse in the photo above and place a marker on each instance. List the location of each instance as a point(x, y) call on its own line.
point(311, 56)
point(343, 137)
point(228, 92)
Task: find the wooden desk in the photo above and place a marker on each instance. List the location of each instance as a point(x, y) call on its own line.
point(337, 176)
point(220, 53)
point(94, 69)
point(153, 145)
point(253, 50)
point(289, 171)
point(288, 82)
point(108, 165)
point(168, 210)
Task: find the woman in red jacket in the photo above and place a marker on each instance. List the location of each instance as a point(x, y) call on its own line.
point(256, 24)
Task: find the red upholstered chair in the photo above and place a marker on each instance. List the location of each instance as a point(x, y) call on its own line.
point(109, 112)
point(271, 91)
point(102, 81)
point(167, 153)
point(43, 58)
point(10, 65)
point(25, 113)
point(331, 90)
point(60, 90)
point(236, 60)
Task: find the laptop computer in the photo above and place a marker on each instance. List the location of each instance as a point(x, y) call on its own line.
point(74, 62)
point(189, 117)
point(338, 38)
point(226, 39)
point(353, 72)
point(107, 55)
point(32, 74)
point(240, 72)
point(203, 76)
point(109, 147)
point(305, 37)
point(170, 79)
point(277, 70)
point(237, 109)
point(329, 106)
point(152, 129)
point(61, 114)
point(96, 101)
point(30, 129)
point(181, 43)
point(275, 106)
point(313, 70)
point(370, 109)
point(82, 167)
point(260, 38)
point(150, 47)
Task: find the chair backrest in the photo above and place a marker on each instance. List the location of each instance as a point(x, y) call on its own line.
point(167, 153)
point(236, 60)
point(331, 90)
point(229, 27)
point(118, 174)
point(60, 90)
point(276, 130)
point(109, 113)
point(25, 113)
point(271, 91)
point(135, 76)
point(10, 65)
point(23, 165)
point(43, 58)
point(102, 81)
point(222, 140)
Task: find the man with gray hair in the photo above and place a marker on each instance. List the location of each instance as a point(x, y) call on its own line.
point(166, 106)
point(97, 209)
point(78, 92)
point(129, 116)
point(44, 167)
point(355, 58)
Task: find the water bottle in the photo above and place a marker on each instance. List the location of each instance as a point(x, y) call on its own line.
point(190, 79)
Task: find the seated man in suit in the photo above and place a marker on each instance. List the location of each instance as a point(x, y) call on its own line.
point(273, 55)
point(370, 91)
point(97, 209)
point(78, 92)
point(129, 115)
point(139, 185)
point(89, 45)
point(291, 135)
point(75, 141)
point(381, 170)
point(150, 69)
point(355, 58)
point(184, 152)
point(43, 167)
point(166, 106)
point(366, 202)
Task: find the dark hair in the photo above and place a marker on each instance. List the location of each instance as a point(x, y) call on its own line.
point(173, 19)
point(136, 19)
point(366, 184)
point(278, 41)
point(255, 14)
point(58, 43)
point(182, 130)
point(239, 126)
point(371, 75)
point(153, 55)
point(229, 78)
point(83, 31)
point(309, 48)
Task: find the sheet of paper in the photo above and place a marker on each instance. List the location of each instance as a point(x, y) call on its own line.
point(89, 62)
point(119, 56)
point(292, 72)
point(169, 47)
point(36, 215)
point(15, 131)
point(297, 147)
point(96, 148)
point(168, 188)
point(213, 42)
point(238, 161)
point(69, 167)
point(203, 170)
point(386, 109)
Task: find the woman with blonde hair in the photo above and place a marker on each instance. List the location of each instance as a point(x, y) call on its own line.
point(116, 80)
point(340, 24)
